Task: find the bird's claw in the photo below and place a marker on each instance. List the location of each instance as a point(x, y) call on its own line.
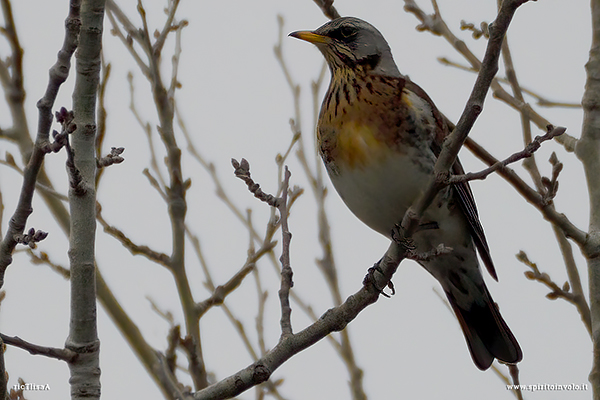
point(400, 239)
point(370, 279)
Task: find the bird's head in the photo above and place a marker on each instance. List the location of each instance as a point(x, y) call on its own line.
point(350, 42)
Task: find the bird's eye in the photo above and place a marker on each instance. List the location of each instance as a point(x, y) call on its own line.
point(346, 31)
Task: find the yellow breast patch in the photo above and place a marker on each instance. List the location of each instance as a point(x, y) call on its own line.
point(358, 146)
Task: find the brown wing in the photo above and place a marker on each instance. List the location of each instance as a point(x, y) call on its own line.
point(463, 190)
point(467, 204)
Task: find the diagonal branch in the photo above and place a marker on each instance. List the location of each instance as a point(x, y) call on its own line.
point(333, 320)
point(436, 25)
point(532, 196)
point(328, 9)
point(564, 292)
point(528, 151)
point(222, 291)
point(58, 74)
point(157, 257)
point(473, 108)
point(540, 100)
point(114, 14)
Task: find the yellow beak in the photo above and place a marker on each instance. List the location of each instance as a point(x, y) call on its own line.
point(310, 37)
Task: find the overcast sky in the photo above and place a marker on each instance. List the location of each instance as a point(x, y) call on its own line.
point(236, 103)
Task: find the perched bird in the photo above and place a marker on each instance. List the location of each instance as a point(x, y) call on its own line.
point(379, 135)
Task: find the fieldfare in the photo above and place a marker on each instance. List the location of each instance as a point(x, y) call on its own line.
point(379, 135)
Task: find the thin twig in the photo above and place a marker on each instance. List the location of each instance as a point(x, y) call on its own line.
point(43, 258)
point(114, 13)
point(525, 153)
point(563, 292)
point(534, 197)
point(168, 27)
point(286, 268)
point(514, 374)
point(540, 100)
point(102, 114)
point(114, 157)
point(3, 374)
point(177, 186)
point(52, 352)
point(173, 340)
point(148, 131)
point(242, 171)
point(10, 162)
point(222, 291)
point(135, 249)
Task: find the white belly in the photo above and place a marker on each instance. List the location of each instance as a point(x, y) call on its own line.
point(380, 194)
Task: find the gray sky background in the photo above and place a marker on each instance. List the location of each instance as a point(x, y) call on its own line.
point(235, 102)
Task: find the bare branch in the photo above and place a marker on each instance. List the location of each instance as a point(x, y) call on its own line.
point(58, 74)
point(43, 258)
point(102, 114)
point(242, 171)
point(333, 320)
point(542, 277)
point(10, 162)
point(436, 25)
point(473, 108)
point(534, 197)
point(574, 280)
point(173, 341)
point(114, 157)
point(286, 268)
point(563, 292)
point(168, 27)
point(328, 9)
point(175, 59)
point(159, 258)
point(221, 292)
point(12, 83)
point(525, 153)
point(514, 374)
point(540, 100)
point(148, 131)
point(114, 13)
point(529, 164)
point(52, 352)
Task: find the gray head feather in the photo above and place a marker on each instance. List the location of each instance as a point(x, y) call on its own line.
point(356, 42)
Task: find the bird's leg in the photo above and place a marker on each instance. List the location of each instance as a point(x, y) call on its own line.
point(428, 255)
point(407, 243)
point(370, 280)
point(410, 246)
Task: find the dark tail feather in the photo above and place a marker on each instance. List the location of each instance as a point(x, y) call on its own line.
point(487, 334)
